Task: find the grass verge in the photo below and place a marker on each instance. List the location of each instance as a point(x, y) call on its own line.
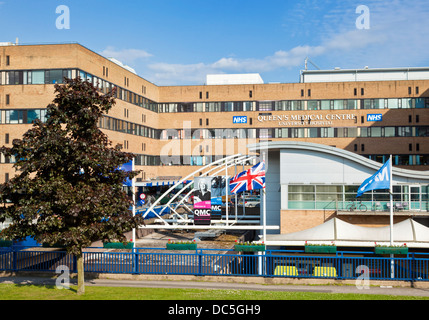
point(41, 292)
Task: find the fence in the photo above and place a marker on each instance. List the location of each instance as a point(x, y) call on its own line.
point(203, 262)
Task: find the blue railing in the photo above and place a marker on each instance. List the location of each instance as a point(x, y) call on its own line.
point(205, 262)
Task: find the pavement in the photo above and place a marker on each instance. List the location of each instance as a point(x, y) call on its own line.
point(227, 285)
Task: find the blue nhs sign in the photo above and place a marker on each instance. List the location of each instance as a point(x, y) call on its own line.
point(374, 117)
point(239, 119)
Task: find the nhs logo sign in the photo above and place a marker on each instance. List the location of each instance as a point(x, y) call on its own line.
point(374, 117)
point(239, 119)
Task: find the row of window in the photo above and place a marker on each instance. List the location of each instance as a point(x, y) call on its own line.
point(294, 105)
point(25, 116)
point(415, 197)
point(349, 132)
point(401, 160)
point(53, 76)
point(18, 116)
point(123, 126)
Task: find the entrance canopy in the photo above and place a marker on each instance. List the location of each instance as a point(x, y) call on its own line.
point(344, 234)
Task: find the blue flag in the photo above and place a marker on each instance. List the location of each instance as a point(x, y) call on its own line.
point(380, 180)
point(127, 167)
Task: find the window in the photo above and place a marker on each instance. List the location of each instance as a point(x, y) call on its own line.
point(309, 92)
point(362, 91)
point(207, 95)
point(8, 60)
point(409, 90)
point(355, 91)
point(302, 92)
point(6, 138)
point(7, 99)
point(250, 94)
point(38, 77)
point(362, 147)
point(313, 105)
point(417, 90)
point(410, 147)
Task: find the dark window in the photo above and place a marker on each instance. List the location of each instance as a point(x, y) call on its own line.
point(362, 147)
point(6, 138)
point(417, 146)
point(355, 92)
point(417, 90)
point(362, 119)
point(355, 147)
point(7, 99)
point(417, 118)
point(410, 118)
point(201, 95)
point(207, 95)
point(309, 92)
point(409, 90)
point(207, 121)
point(250, 94)
point(362, 91)
point(410, 147)
point(201, 122)
point(250, 121)
point(7, 60)
point(302, 92)
point(6, 177)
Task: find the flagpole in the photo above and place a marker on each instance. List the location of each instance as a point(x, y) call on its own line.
point(264, 208)
point(134, 203)
point(392, 263)
point(391, 204)
point(226, 191)
point(236, 204)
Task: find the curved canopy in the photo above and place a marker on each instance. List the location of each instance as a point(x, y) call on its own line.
point(342, 233)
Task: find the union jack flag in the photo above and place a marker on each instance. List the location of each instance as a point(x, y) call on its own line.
point(251, 179)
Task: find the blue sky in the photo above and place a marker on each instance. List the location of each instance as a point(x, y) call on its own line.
point(177, 42)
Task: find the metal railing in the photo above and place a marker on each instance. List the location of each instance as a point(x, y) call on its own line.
point(204, 262)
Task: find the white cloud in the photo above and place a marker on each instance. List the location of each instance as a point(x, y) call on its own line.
point(397, 37)
point(127, 56)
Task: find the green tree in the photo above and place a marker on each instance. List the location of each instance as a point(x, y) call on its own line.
point(68, 186)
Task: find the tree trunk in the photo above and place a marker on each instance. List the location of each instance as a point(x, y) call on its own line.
point(80, 274)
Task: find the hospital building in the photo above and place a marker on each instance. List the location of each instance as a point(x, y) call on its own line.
point(332, 128)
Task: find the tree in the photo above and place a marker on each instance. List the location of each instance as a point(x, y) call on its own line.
point(68, 186)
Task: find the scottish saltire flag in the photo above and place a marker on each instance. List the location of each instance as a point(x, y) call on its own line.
point(251, 179)
point(380, 180)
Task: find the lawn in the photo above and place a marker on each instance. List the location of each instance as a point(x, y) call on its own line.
point(40, 292)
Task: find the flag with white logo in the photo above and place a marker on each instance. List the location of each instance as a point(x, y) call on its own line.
point(380, 180)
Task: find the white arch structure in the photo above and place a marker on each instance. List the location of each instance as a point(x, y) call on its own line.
point(214, 169)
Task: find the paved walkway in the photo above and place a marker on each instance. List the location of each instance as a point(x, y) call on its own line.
point(381, 290)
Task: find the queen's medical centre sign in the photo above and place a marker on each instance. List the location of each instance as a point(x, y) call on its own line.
point(306, 119)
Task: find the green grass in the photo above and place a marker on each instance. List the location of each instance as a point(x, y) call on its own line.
point(39, 292)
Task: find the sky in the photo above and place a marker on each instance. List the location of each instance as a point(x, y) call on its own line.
point(179, 42)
